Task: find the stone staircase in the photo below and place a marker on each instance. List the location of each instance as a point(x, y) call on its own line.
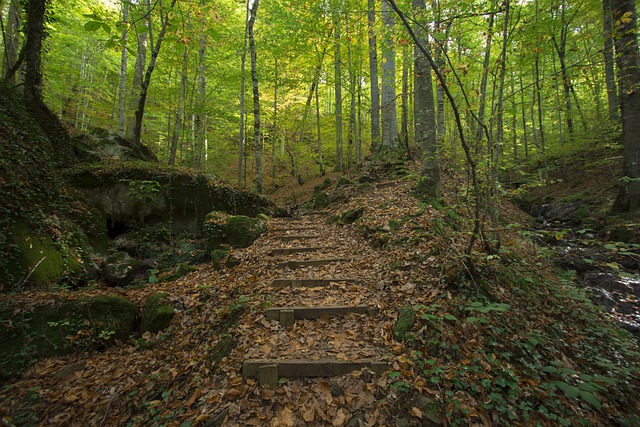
point(305, 316)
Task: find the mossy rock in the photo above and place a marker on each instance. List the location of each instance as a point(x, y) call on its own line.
point(239, 231)
point(222, 349)
point(579, 215)
point(181, 270)
point(221, 258)
point(351, 216)
point(157, 313)
point(404, 323)
point(36, 256)
point(61, 327)
point(320, 200)
point(343, 181)
point(120, 269)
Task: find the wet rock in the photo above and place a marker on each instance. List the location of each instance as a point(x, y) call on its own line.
point(120, 269)
point(404, 323)
point(157, 313)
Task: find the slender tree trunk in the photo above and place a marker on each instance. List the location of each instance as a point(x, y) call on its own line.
point(319, 134)
point(136, 86)
point(179, 119)
point(256, 98)
point(12, 43)
point(373, 73)
point(425, 111)
point(626, 44)
point(353, 123)
point(404, 107)
point(122, 87)
point(241, 133)
point(483, 82)
point(314, 84)
point(389, 111)
point(338, 88)
point(200, 119)
point(610, 78)
point(274, 126)
point(147, 76)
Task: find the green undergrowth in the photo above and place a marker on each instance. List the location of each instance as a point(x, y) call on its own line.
point(524, 348)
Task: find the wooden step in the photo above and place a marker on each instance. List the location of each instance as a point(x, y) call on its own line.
point(287, 315)
point(297, 237)
point(269, 370)
point(301, 249)
point(311, 263)
point(310, 283)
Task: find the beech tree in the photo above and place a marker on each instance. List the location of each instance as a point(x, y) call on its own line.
point(626, 45)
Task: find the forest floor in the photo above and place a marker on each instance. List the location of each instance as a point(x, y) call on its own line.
point(518, 345)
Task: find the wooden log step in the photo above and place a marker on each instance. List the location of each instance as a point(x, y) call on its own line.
point(310, 283)
point(283, 313)
point(311, 262)
point(301, 249)
point(297, 237)
point(268, 369)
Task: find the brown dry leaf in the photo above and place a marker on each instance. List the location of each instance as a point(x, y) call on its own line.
point(340, 419)
point(416, 412)
point(286, 417)
point(308, 414)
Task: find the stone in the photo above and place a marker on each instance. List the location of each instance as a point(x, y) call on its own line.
point(404, 323)
point(239, 231)
point(120, 269)
point(351, 216)
point(157, 313)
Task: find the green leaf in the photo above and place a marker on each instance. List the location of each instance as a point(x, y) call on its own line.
point(610, 246)
point(394, 375)
point(591, 399)
point(451, 317)
point(106, 28)
point(92, 26)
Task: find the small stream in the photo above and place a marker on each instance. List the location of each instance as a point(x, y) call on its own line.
point(609, 271)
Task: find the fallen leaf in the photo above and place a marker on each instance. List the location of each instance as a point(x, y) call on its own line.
point(416, 412)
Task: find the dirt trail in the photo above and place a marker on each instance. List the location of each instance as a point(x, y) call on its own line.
point(178, 377)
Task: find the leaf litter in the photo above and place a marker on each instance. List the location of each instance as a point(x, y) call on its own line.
point(174, 380)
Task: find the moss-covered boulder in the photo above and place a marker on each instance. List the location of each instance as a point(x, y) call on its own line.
point(35, 259)
point(404, 323)
point(120, 269)
point(351, 216)
point(221, 258)
point(238, 231)
point(157, 313)
point(60, 327)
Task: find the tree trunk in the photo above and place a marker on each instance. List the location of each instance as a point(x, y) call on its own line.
point(483, 83)
point(243, 66)
point(338, 88)
point(12, 43)
point(353, 119)
point(610, 78)
point(177, 128)
point(404, 96)
point(319, 134)
point(424, 111)
point(122, 87)
point(373, 72)
point(32, 93)
point(389, 111)
point(626, 44)
point(274, 126)
point(256, 98)
point(155, 50)
point(136, 86)
point(200, 119)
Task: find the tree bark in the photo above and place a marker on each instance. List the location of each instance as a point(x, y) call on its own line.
point(177, 127)
point(12, 43)
point(626, 45)
point(155, 50)
point(122, 87)
point(389, 110)
point(424, 110)
point(373, 73)
point(338, 88)
point(610, 77)
point(32, 93)
point(199, 155)
point(257, 141)
point(241, 135)
point(136, 86)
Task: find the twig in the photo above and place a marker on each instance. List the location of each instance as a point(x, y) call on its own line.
point(23, 281)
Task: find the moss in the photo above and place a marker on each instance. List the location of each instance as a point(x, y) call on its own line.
point(36, 253)
point(222, 349)
point(351, 216)
point(60, 327)
point(404, 323)
point(320, 200)
point(344, 181)
point(579, 215)
point(217, 258)
point(157, 313)
point(241, 231)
